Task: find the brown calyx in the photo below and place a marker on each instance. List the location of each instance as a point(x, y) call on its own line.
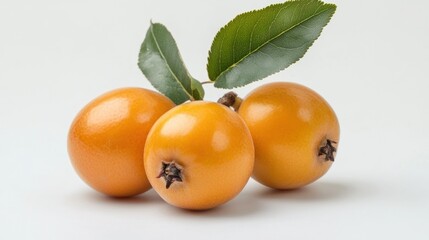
point(328, 150)
point(231, 99)
point(171, 172)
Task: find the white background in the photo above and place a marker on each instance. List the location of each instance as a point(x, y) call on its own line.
point(371, 63)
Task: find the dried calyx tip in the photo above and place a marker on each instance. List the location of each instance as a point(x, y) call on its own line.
point(328, 150)
point(171, 173)
point(230, 99)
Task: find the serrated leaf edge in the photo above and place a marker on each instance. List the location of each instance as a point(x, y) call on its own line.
point(166, 63)
point(242, 59)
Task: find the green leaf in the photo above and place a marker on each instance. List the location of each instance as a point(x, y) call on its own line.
point(197, 89)
point(257, 44)
point(161, 63)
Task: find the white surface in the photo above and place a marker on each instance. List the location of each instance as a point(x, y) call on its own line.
point(371, 64)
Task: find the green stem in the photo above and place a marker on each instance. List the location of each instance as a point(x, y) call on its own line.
point(207, 82)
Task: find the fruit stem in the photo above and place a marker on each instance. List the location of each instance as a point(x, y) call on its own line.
point(171, 172)
point(328, 150)
point(207, 82)
point(231, 99)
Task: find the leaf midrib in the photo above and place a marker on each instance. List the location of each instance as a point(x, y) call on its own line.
point(265, 43)
point(166, 63)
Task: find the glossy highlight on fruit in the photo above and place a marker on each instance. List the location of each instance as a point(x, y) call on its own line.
point(199, 155)
point(106, 139)
point(295, 133)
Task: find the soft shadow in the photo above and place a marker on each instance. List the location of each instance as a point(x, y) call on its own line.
point(321, 191)
point(244, 205)
point(149, 197)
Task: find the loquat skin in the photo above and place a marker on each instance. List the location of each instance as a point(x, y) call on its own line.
point(107, 137)
point(199, 155)
point(295, 133)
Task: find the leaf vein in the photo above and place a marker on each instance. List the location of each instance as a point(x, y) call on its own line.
point(251, 34)
point(277, 15)
point(271, 39)
point(287, 48)
point(267, 55)
point(235, 39)
point(220, 54)
point(166, 62)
